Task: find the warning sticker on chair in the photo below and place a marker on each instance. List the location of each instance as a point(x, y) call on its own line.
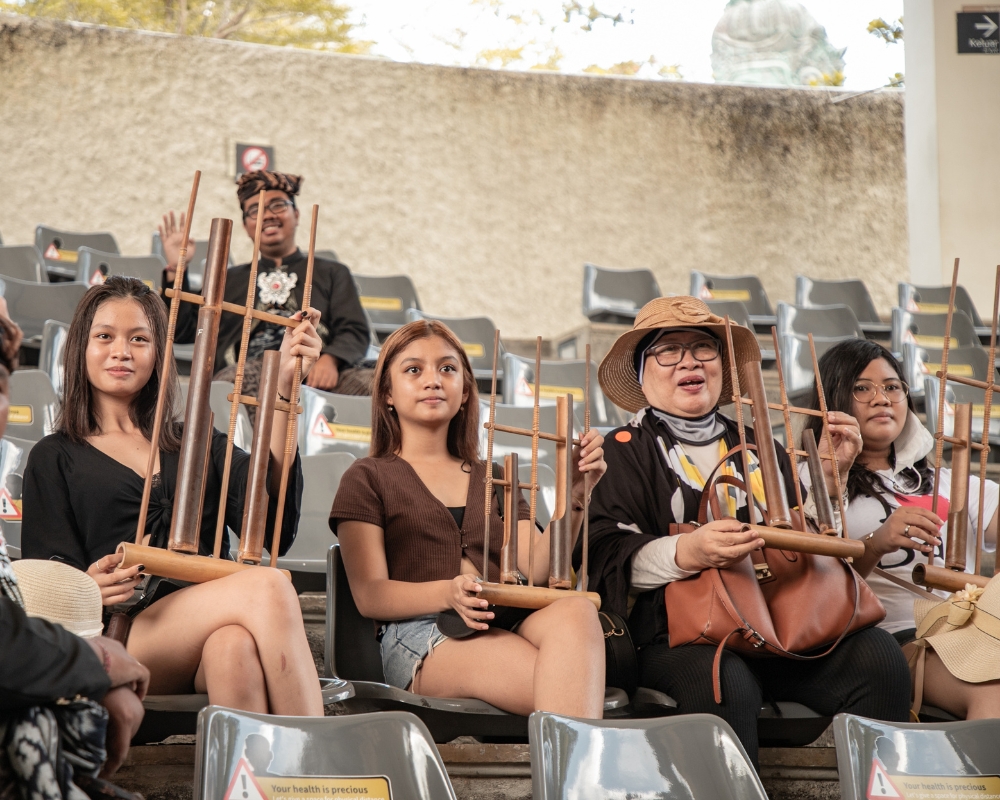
point(10, 509)
point(244, 785)
point(53, 253)
point(19, 415)
point(931, 787)
point(381, 303)
point(345, 433)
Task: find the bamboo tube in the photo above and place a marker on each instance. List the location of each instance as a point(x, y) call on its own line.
point(490, 430)
point(816, 543)
point(500, 594)
point(561, 525)
point(740, 426)
point(824, 508)
point(508, 550)
point(168, 356)
point(167, 564)
point(958, 507)
point(186, 521)
point(786, 413)
point(985, 443)
point(533, 495)
point(255, 511)
point(777, 504)
point(821, 396)
point(293, 399)
point(241, 363)
point(947, 579)
point(581, 578)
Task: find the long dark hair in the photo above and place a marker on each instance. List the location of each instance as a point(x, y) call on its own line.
point(463, 430)
point(839, 369)
point(78, 417)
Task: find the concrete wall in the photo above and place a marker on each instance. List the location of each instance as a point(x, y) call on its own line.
point(490, 188)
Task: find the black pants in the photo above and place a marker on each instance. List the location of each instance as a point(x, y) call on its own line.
point(865, 675)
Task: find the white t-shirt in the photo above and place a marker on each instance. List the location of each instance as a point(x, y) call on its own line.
point(866, 514)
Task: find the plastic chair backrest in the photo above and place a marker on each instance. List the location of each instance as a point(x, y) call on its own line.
point(958, 393)
point(386, 754)
point(833, 322)
point(321, 476)
point(747, 289)
point(896, 759)
point(927, 330)
point(93, 267)
point(519, 417)
point(475, 334)
point(558, 378)
point(689, 756)
point(967, 362)
point(30, 304)
point(811, 293)
point(386, 299)
point(13, 458)
point(22, 261)
point(34, 405)
point(329, 255)
point(352, 652)
point(334, 423)
point(736, 310)
point(934, 300)
point(545, 500)
point(616, 295)
point(53, 349)
point(59, 248)
point(220, 405)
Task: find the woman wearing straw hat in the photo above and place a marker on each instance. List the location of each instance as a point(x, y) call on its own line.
point(890, 488)
point(671, 369)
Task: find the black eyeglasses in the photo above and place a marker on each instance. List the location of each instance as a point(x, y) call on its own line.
point(866, 391)
point(670, 354)
point(275, 207)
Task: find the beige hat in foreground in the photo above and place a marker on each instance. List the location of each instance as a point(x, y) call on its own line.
point(964, 631)
point(617, 373)
point(61, 594)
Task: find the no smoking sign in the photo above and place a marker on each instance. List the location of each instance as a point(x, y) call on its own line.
point(253, 157)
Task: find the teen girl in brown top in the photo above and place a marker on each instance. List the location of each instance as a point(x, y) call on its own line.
point(409, 518)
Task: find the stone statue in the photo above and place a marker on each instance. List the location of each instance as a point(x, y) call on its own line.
point(773, 42)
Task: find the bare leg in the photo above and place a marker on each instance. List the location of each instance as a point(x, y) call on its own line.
point(964, 700)
point(555, 663)
point(230, 671)
point(170, 636)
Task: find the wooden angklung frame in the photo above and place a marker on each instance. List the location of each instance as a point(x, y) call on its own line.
point(952, 576)
point(180, 559)
point(507, 590)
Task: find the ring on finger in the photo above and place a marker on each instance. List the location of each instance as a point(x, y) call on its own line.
point(906, 531)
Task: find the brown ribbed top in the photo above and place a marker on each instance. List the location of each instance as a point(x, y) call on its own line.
point(422, 541)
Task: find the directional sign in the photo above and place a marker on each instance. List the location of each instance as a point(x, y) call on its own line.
point(979, 32)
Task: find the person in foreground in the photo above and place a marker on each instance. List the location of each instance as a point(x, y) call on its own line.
point(239, 638)
point(672, 369)
point(410, 519)
point(890, 491)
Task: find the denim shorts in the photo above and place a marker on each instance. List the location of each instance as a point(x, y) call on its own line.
point(405, 645)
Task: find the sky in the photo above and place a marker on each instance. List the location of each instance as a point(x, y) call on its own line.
point(672, 32)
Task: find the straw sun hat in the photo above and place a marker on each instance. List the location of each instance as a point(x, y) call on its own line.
point(61, 594)
point(617, 373)
point(964, 631)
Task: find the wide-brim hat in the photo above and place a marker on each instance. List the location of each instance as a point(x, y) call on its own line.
point(617, 374)
point(61, 594)
point(964, 631)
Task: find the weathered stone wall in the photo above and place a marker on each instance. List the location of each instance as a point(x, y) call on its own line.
point(489, 188)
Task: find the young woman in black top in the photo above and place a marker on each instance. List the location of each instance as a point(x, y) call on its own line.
point(240, 638)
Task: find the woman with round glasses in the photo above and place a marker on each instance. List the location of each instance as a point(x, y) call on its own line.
point(890, 487)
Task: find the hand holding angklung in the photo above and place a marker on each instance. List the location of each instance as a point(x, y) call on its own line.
point(299, 341)
point(463, 597)
point(116, 586)
point(910, 527)
point(847, 442)
point(589, 457)
point(718, 544)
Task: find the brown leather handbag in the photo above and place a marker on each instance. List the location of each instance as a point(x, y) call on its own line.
point(773, 602)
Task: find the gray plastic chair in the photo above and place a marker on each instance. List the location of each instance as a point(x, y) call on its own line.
point(334, 423)
point(745, 288)
point(922, 755)
point(30, 304)
point(13, 458)
point(519, 417)
point(934, 300)
point(52, 351)
point(738, 314)
point(968, 362)
point(321, 476)
point(329, 255)
point(927, 330)
point(395, 747)
point(559, 378)
point(195, 261)
point(616, 295)
point(93, 266)
point(683, 757)
point(22, 261)
point(476, 335)
point(386, 299)
point(58, 249)
point(34, 405)
point(829, 325)
point(220, 405)
point(959, 393)
point(811, 293)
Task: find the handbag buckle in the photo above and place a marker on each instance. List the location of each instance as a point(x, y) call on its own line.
point(763, 573)
point(614, 632)
point(754, 638)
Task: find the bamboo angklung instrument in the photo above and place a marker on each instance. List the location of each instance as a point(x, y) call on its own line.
point(581, 578)
point(824, 508)
point(255, 512)
point(778, 538)
point(507, 592)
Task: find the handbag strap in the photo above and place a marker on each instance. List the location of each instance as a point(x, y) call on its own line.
point(709, 495)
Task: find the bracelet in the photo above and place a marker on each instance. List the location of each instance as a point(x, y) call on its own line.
point(107, 657)
point(283, 398)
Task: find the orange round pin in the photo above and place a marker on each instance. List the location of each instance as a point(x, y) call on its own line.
point(623, 436)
